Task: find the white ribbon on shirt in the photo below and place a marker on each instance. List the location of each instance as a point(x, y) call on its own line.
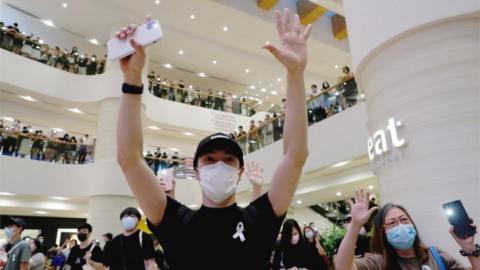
point(239, 233)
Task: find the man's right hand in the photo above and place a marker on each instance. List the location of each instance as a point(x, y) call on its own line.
point(132, 65)
point(359, 210)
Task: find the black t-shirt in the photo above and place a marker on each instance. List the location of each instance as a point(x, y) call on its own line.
point(127, 251)
point(218, 238)
point(76, 260)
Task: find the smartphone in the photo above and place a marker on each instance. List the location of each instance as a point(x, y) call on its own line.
point(458, 217)
point(146, 34)
point(167, 178)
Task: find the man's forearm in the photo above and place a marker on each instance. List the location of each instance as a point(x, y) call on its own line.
point(129, 130)
point(295, 129)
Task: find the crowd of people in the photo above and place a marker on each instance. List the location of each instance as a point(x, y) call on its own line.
point(16, 41)
point(158, 161)
point(180, 92)
point(22, 141)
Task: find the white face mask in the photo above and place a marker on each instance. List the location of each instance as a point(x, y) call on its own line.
point(218, 181)
point(295, 239)
point(129, 223)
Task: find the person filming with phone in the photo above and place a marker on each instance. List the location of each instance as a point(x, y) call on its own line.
point(219, 235)
point(396, 243)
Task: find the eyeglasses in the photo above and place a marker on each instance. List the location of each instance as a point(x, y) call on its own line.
point(394, 222)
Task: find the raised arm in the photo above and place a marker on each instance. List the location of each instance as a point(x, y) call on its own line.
point(143, 183)
point(292, 53)
point(255, 176)
point(360, 215)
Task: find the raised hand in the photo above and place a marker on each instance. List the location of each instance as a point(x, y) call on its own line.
point(467, 244)
point(359, 210)
point(255, 174)
point(292, 52)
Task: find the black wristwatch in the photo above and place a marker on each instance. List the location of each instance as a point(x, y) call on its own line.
point(132, 89)
point(475, 253)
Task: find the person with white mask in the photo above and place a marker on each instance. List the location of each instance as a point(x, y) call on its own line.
point(132, 249)
point(219, 235)
point(18, 250)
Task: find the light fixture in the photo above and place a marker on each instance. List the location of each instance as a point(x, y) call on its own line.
point(336, 66)
point(48, 22)
point(157, 2)
point(59, 198)
point(274, 93)
point(94, 41)
point(173, 149)
point(214, 62)
point(252, 87)
point(28, 98)
point(234, 96)
point(260, 82)
point(40, 212)
point(267, 42)
point(188, 133)
point(64, 5)
point(370, 187)
point(263, 90)
point(225, 28)
point(340, 164)
point(75, 110)
point(260, 102)
point(279, 79)
point(40, 41)
point(247, 70)
point(8, 119)
point(192, 16)
point(6, 194)
point(167, 65)
point(339, 194)
point(299, 201)
point(154, 127)
point(201, 74)
point(58, 129)
point(180, 52)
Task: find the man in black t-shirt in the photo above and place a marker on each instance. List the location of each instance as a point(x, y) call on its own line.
point(85, 253)
point(133, 249)
point(220, 235)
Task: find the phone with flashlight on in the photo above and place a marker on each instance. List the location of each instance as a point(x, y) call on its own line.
point(457, 216)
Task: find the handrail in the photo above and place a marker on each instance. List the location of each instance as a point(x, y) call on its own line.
point(50, 50)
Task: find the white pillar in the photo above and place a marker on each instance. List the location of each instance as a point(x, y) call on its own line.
point(418, 61)
point(104, 213)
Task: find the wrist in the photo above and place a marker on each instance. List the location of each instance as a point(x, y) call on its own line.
point(133, 79)
point(295, 71)
point(468, 247)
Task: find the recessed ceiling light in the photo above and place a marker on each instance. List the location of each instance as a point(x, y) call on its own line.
point(188, 133)
point(157, 2)
point(263, 90)
point(225, 28)
point(339, 194)
point(247, 70)
point(340, 164)
point(201, 74)
point(336, 66)
point(40, 212)
point(173, 149)
point(279, 79)
point(370, 187)
point(8, 119)
point(260, 82)
point(49, 23)
point(59, 198)
point(214, 62)
point(75, 110)
point(154, 127)
point(299, 201)
point(6, 194)
point(58, 129)
point(64, 5)
point(167, 65)
point(260, 102)
point(28, 98)
point(267, 42)
point(40, 41)
point(192, 16)
point(180, 52)
point(274, 93)
point(252, 87)
point(94, 41)
point(234, 96)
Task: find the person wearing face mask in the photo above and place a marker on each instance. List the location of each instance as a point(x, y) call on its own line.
point(132, 249)
point(395, 243)
point(37, 260)
point(293, 251)
point(316, 256)
point(85, 253)
point(219, 235)
point(18, 251)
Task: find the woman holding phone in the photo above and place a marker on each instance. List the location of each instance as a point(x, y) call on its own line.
point(395, 243)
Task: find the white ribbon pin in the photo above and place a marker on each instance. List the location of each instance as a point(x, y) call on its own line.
point(239, 233)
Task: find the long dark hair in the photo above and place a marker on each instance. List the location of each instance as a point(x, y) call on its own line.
point(379, 243)
point(288, 225)
point(38, 247)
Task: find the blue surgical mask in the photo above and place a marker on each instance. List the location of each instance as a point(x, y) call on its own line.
point(9, 232)
point(129, 223)
point(402, 236)
point(309, 234)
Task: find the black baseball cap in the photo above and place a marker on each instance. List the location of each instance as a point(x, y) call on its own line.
point(218, 141)
point(17, 221)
